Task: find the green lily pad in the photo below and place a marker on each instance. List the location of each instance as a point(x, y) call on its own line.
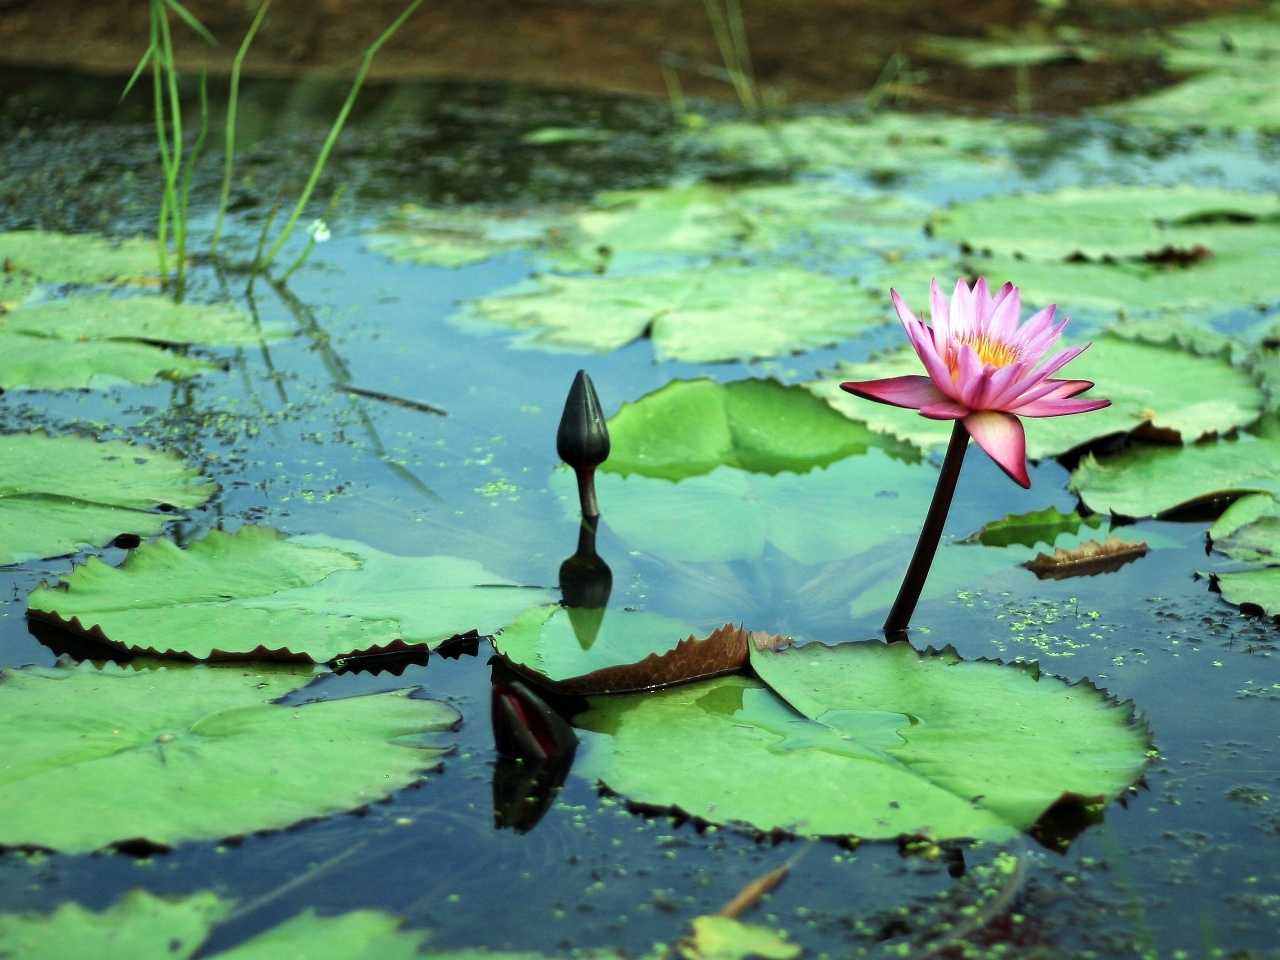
point(138, 926)
point(153, 319)
point(14, 288)
point(1177, 392)
point(1098, 222)
point(258, 592)
point(1236, 44)
point(96, 757)
point(39, 363)
point(689, 427)
point(723, 938)
point(1030, 529)
point(1241, 515)
point(551, 136)
point(455, 238)
point(698, 316)
point(1256, 590)
point(1233, 278)
point(1219, 100)
point(1008, 745)
point(825, 514)
point(884, 143)
point(1147, 480)
point(1017, 51)
point(79, 258)
point(356, 935)
point(58, 494)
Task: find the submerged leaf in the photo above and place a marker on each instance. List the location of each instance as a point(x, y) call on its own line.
point(723, 938)
point(628, 650)
point(1029, 529)
point(895, 743)
point(260, 593)
point(174, 753)
point(151, 319)
point(78, 258)
point(60, 493)
point(41, 363)
point(701, 315)
point(1089, 559)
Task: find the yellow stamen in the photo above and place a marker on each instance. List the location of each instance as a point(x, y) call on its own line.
point(996, 353)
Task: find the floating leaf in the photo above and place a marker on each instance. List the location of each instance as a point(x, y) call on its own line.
point(355, 935)
point(1089, 559)
point(702, 315)
point(138, 926)
point(1175, 392)
point(153, 319)
point(1244, 532)
point(101, 757)
point(78, 258)
point(1237, 44)
point(903, 744)
point(58, 494)
point(551, 136)
point(1016, 51)
point(1029, 529)
point(1214, 101)
point(689, 427)
point(730, 514)
point(457, 238)
point(1096, 222)
point(723, 938)
point(884, 143)
point(259, 593)
point(39, 363)
point(628, 650)
point(14, 288)
point(1146, 480)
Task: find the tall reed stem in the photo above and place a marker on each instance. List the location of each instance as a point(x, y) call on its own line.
point(918, 571)
point(233, 99)
point(338, 124)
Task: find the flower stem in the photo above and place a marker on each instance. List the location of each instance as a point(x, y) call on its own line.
point(909, 593)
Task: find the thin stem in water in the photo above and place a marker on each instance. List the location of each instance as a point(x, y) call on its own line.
point(338, 124)
point(229, 151)
point(909, 593)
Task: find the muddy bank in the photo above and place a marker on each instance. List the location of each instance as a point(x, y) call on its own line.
point(811, 51)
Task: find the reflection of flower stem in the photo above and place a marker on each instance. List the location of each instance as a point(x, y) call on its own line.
point(918, 571)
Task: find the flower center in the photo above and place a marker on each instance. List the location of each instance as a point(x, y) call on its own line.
point(991, 351)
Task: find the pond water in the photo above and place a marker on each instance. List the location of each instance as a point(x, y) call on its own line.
point(1185, 865)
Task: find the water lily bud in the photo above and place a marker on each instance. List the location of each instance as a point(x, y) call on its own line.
point(525, 727)
point(583, 439)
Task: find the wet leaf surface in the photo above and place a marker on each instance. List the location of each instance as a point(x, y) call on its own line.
point(41, 363)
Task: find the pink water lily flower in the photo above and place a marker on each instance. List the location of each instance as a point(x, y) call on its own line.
point(984, 369)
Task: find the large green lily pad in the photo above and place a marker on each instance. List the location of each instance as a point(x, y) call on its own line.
point(95, 757)
point(1177, 392)
point(79, 258)
point(1096, 222)
point(1249, 531)
point(151, 319)
point(58, 494)
point(702, 315)
point(138, 926)
point(1218, 100)
point(904, 744)
point(825, 514)
point(689, 427)
point(1146, 480)
point(258, 592)
point(41, 363)
point(1239, 44)
point(884, 143)
point(356, 935)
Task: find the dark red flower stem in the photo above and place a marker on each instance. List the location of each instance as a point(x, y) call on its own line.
point(895, 628)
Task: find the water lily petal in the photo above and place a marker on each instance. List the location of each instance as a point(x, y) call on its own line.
point(939, 315)
point(1004, 385)
point(963, 319)
point(908, 391)
point(1002, 437)
point(1059, 407)
point(904, 312)
point(972, 377)
point(1001, 295)
point(1004, 319)
point(1039, 385)
point(921, 338)
point(1066, 388)
point(945, 410)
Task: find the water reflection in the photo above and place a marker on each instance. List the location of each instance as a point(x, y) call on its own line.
point(585, 583)
point(535, 752)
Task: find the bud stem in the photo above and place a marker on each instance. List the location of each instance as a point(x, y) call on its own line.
point(895, 627)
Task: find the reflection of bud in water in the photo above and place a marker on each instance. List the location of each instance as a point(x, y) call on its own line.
point(585, 583)
point(526, 728)
point(583, 439)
